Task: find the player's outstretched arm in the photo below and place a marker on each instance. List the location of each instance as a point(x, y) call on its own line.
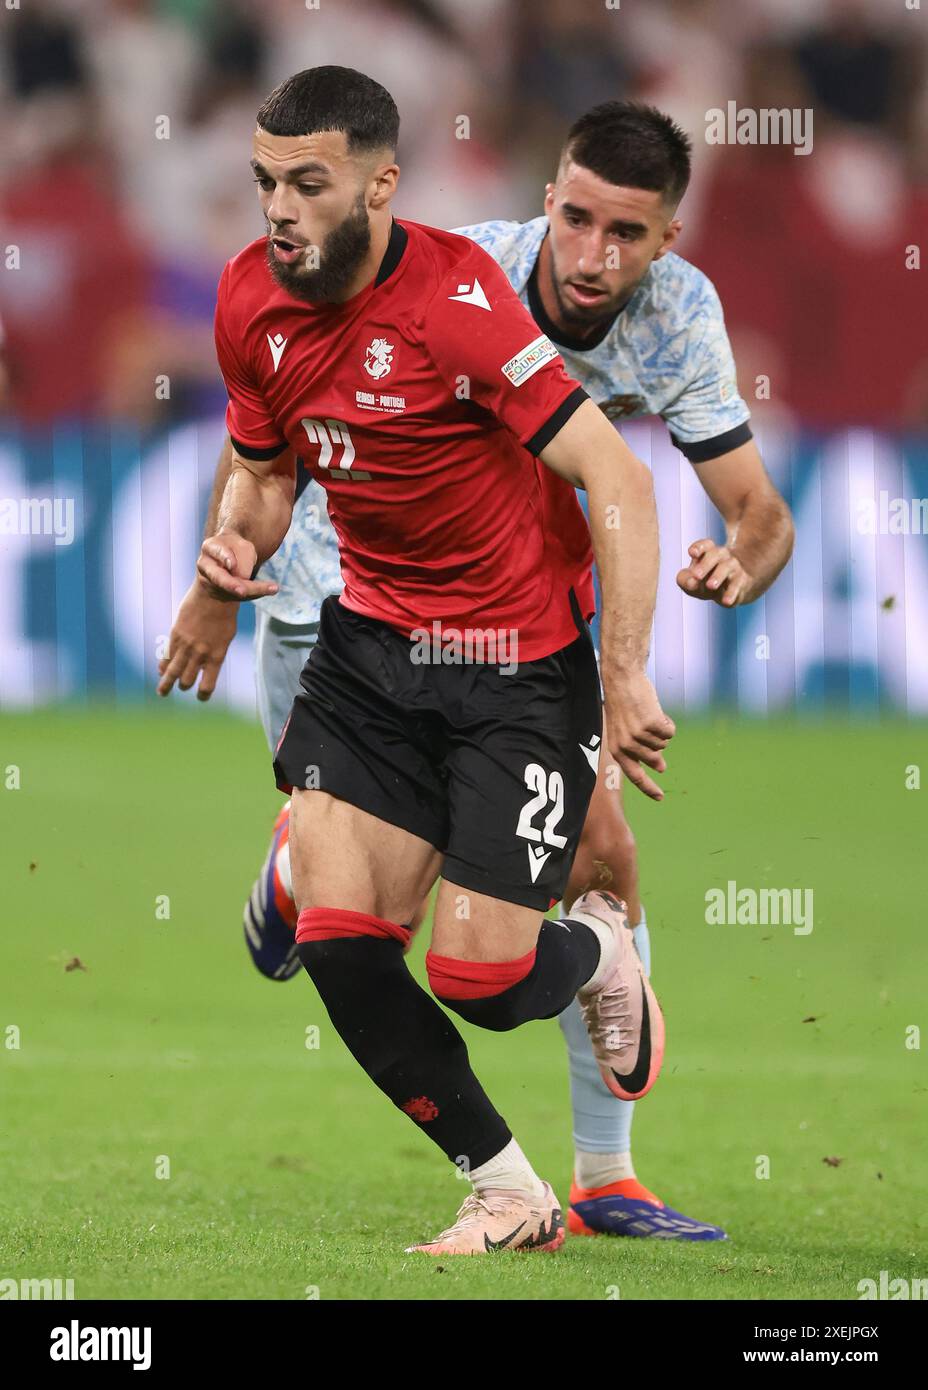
point(589, 453)
point(204, 626)
point(254, 514)
point(759, 531)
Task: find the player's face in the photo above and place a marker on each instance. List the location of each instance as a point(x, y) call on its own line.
point(313, 196)
point(602, 239)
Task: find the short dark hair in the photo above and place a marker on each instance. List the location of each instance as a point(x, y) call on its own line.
point(333, 98)
point(633, 145)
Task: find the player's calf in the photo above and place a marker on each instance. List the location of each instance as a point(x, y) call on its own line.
point(501, 964)
point(501, 995)
point(407, 1046)
point(607, 856)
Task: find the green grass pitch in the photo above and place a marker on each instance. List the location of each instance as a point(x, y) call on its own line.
point(290, 1175)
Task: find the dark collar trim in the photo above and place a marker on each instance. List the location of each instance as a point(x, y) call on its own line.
point(393, 254)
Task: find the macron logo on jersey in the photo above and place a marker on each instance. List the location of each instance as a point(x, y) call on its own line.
point(537, 859)
point(472, 294)
point(591, 753)
point(277, 345)
point(527, 362)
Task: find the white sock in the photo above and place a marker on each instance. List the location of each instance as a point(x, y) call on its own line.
point(598, 1170)
point(509, 1169)
point(606, 947)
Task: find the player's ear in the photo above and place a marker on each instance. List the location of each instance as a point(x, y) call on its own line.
point(383, 184)
point(671, 232)
point(549, 197)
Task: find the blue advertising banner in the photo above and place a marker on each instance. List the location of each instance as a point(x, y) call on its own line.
point(99, 531)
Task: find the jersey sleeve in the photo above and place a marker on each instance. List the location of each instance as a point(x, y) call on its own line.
point(709, 418)
point(486, 346)
point(248, 420)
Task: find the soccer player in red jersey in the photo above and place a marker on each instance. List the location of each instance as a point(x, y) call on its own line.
point(449, 718)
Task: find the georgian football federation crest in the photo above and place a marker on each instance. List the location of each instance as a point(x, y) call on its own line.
point(379, 358)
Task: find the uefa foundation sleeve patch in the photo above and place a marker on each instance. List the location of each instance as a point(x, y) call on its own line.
point(527, 362)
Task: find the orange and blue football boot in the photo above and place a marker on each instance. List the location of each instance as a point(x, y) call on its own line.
point(270, 913)
point(627, 1208)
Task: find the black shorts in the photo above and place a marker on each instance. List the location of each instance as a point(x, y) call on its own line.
point(495, 770)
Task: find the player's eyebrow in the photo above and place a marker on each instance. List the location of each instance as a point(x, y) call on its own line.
point(629, 228)
point(291, 176)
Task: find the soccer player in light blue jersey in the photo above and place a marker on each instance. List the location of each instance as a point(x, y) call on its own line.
point(642, 330)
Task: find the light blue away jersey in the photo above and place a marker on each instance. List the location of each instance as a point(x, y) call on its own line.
point(306, 566)
point(667, 353)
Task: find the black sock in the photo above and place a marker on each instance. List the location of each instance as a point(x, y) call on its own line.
point(566, 956)
point(405, 1043)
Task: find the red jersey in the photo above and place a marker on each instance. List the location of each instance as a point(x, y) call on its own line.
point(419, 405)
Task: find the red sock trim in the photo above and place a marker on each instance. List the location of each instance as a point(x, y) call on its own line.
point(474, 979)
point(331, 923)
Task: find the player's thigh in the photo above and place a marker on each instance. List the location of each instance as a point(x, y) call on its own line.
point(359, 757)
point(607, 856)
point(521, 771)
point(281, 652)
point(346, 858)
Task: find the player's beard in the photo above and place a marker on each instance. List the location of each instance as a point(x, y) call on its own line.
point(340, 257)
point(588, 320)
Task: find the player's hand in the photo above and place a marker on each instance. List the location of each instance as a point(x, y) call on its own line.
point(199, 640)
point(714, 572)
point(637, 728)
point(227, 562)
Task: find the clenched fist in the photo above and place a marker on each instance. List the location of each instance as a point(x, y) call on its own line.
point(715, 573)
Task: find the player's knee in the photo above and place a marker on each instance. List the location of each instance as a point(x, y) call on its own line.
point(485, 993)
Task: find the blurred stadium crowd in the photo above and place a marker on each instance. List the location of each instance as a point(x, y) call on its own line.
point(124, 219)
